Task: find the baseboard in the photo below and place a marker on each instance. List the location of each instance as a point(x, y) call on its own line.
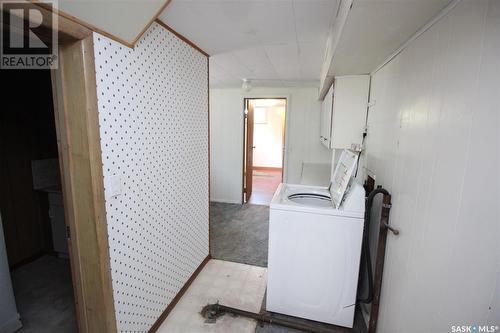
point(177, 297)
point(226, 201)
point(11, 325)
point(267, 168)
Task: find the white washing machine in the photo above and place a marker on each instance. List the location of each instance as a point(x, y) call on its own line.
point(315, 237)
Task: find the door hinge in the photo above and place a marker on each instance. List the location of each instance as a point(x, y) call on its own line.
point(68, 233)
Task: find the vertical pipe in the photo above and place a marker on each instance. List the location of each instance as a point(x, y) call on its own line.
point(379, 264)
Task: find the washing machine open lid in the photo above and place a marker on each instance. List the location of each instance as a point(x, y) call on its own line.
point(342, 176)
point(298, 198)
point(311, 199)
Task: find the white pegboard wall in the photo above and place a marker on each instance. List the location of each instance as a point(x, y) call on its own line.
point(153, 117)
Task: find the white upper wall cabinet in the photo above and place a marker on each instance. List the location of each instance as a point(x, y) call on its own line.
point(343, 118)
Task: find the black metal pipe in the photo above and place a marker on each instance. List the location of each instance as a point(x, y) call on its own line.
point(213, 311)
point(366, 245)
point(384, 226)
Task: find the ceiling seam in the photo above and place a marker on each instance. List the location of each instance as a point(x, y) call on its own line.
point(301, 74)
point(226, 72)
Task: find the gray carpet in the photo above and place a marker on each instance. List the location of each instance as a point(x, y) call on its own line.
point(239, 233)
point(44, 296)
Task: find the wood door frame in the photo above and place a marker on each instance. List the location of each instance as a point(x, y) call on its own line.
point(76, 117)
point(249, 118)
point(284, 174)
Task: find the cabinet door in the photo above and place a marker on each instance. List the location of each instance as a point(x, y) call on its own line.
point(322, 133)
point(326, 118)
point(349, 111)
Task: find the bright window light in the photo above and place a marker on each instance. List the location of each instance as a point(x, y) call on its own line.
point(260, 115)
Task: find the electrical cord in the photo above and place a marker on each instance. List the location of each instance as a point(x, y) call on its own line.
point(359, 154)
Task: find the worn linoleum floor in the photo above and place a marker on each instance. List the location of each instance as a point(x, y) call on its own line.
point(232, 284)
point(44, 296)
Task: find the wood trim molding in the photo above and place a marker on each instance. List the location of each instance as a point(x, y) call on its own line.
point(154, 18)
point(67, 30)
point(264, 168)
point(80, 29)
point(76, 115)
point(65, 17)
point(208, 117)
point(82, 23)
point(187, 41)
point(177, 297)
point(244, 155)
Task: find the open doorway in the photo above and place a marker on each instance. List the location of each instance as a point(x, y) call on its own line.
point(31, 204)
point(264, 148)
point(69, 93)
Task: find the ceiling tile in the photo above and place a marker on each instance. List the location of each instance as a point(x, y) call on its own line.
point(282, 41)
point(313, 19)
point(257, 61)
point(285, 59)
point(311, 59)
point(256, 38)
point(231, 65)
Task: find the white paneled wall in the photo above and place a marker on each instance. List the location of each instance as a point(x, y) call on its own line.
point(153, 117)
point(226, 141)
point(433, 142)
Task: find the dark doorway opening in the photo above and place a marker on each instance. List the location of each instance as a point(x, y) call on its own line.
point(31, 204)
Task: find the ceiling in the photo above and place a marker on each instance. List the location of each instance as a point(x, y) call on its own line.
point(274, 43)
point(283, 42)
point(134, 15)
point(376, 28)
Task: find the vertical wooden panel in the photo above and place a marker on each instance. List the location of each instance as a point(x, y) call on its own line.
point(79, 149)
point(249, 150)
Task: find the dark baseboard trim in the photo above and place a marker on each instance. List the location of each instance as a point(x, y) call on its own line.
point(267, 168)
point(177, 297)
